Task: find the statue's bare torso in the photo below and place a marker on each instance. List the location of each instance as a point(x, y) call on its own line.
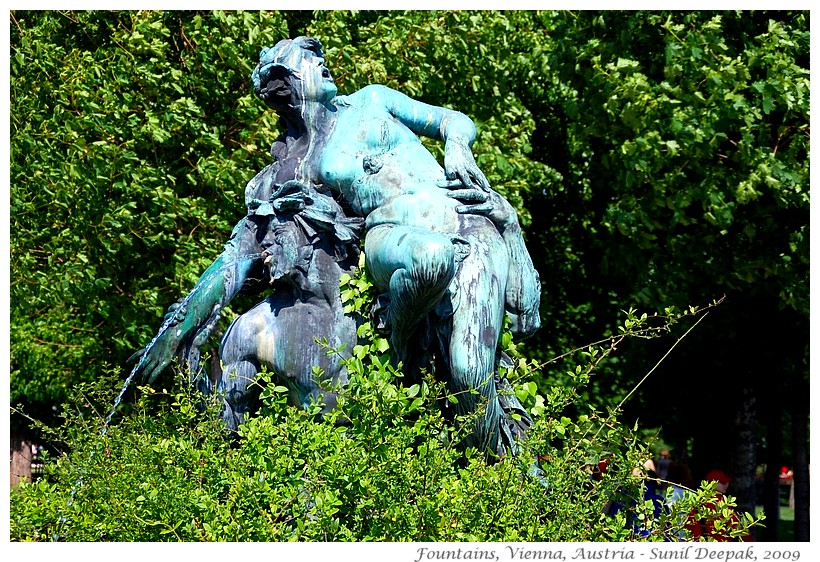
point(381, 168)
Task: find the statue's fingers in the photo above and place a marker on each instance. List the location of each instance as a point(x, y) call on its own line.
point(140, 373)
point(482, 180)
point(145, 368)
point(135, 356)
point(450, 183)
point(293, 186)
point(153, 371)
point(480, 209)
point(477, 178)
point(467, 178)
point(471, 194)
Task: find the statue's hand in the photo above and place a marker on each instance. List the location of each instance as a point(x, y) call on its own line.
point(153, 359)
point(460, 165)
point(156, 356)
point(478, 202)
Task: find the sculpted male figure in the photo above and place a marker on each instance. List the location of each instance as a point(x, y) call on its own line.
point(438, 240)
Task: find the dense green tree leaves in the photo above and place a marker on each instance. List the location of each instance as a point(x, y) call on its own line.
point(683, 162)
point(133, 135)
point(655, 158)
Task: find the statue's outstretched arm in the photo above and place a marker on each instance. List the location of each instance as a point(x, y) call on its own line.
point(190, 321)
point(454, 128)
point(469, 185)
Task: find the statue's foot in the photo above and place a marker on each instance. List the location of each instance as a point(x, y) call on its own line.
point(380, 314)
point(524, 324)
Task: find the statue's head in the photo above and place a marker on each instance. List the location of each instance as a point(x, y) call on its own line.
point(301, 219)
point(292, 72)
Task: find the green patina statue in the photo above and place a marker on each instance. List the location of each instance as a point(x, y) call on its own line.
point(445, 250)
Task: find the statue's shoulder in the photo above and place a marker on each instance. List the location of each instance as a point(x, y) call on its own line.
point(365, 96)
point(261, 186)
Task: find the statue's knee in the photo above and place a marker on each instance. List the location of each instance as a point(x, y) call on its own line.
point(434, 262)
point(238, 376)
point(475, 388)
point(230, 417)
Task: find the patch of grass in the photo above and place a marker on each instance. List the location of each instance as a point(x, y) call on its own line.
point(785, 529)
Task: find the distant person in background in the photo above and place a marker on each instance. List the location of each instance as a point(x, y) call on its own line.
point(648, 491)
point(664, 461)
point(680, 480)
point(708, 528)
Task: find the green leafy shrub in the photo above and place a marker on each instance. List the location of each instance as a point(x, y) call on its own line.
point(384, 466)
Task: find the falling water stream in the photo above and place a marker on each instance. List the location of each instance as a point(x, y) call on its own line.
point(170, 320)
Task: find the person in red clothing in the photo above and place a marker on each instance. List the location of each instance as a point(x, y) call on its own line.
point(708, 528)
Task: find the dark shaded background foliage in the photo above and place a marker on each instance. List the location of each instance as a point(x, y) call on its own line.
point(656, 159)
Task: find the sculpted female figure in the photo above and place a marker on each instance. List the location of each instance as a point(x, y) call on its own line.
point(439, 241)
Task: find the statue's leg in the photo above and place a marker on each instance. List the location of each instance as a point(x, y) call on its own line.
point(523, 292)
point(239, 353)
point(239, 396)
point(416, 267)
point(476, 324)
point(279, 336)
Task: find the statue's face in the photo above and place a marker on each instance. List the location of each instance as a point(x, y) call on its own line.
point(316, 81)
point(286, 253)
point(310, 79)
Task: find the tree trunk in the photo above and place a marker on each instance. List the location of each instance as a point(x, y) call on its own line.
point(771, 479)
point(800, 442)
point(20, 459)
point(745, 458)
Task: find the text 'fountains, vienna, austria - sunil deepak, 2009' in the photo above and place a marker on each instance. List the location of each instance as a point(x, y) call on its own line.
point(444, 249)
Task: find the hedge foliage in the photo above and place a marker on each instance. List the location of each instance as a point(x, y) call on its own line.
point(384, 466)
